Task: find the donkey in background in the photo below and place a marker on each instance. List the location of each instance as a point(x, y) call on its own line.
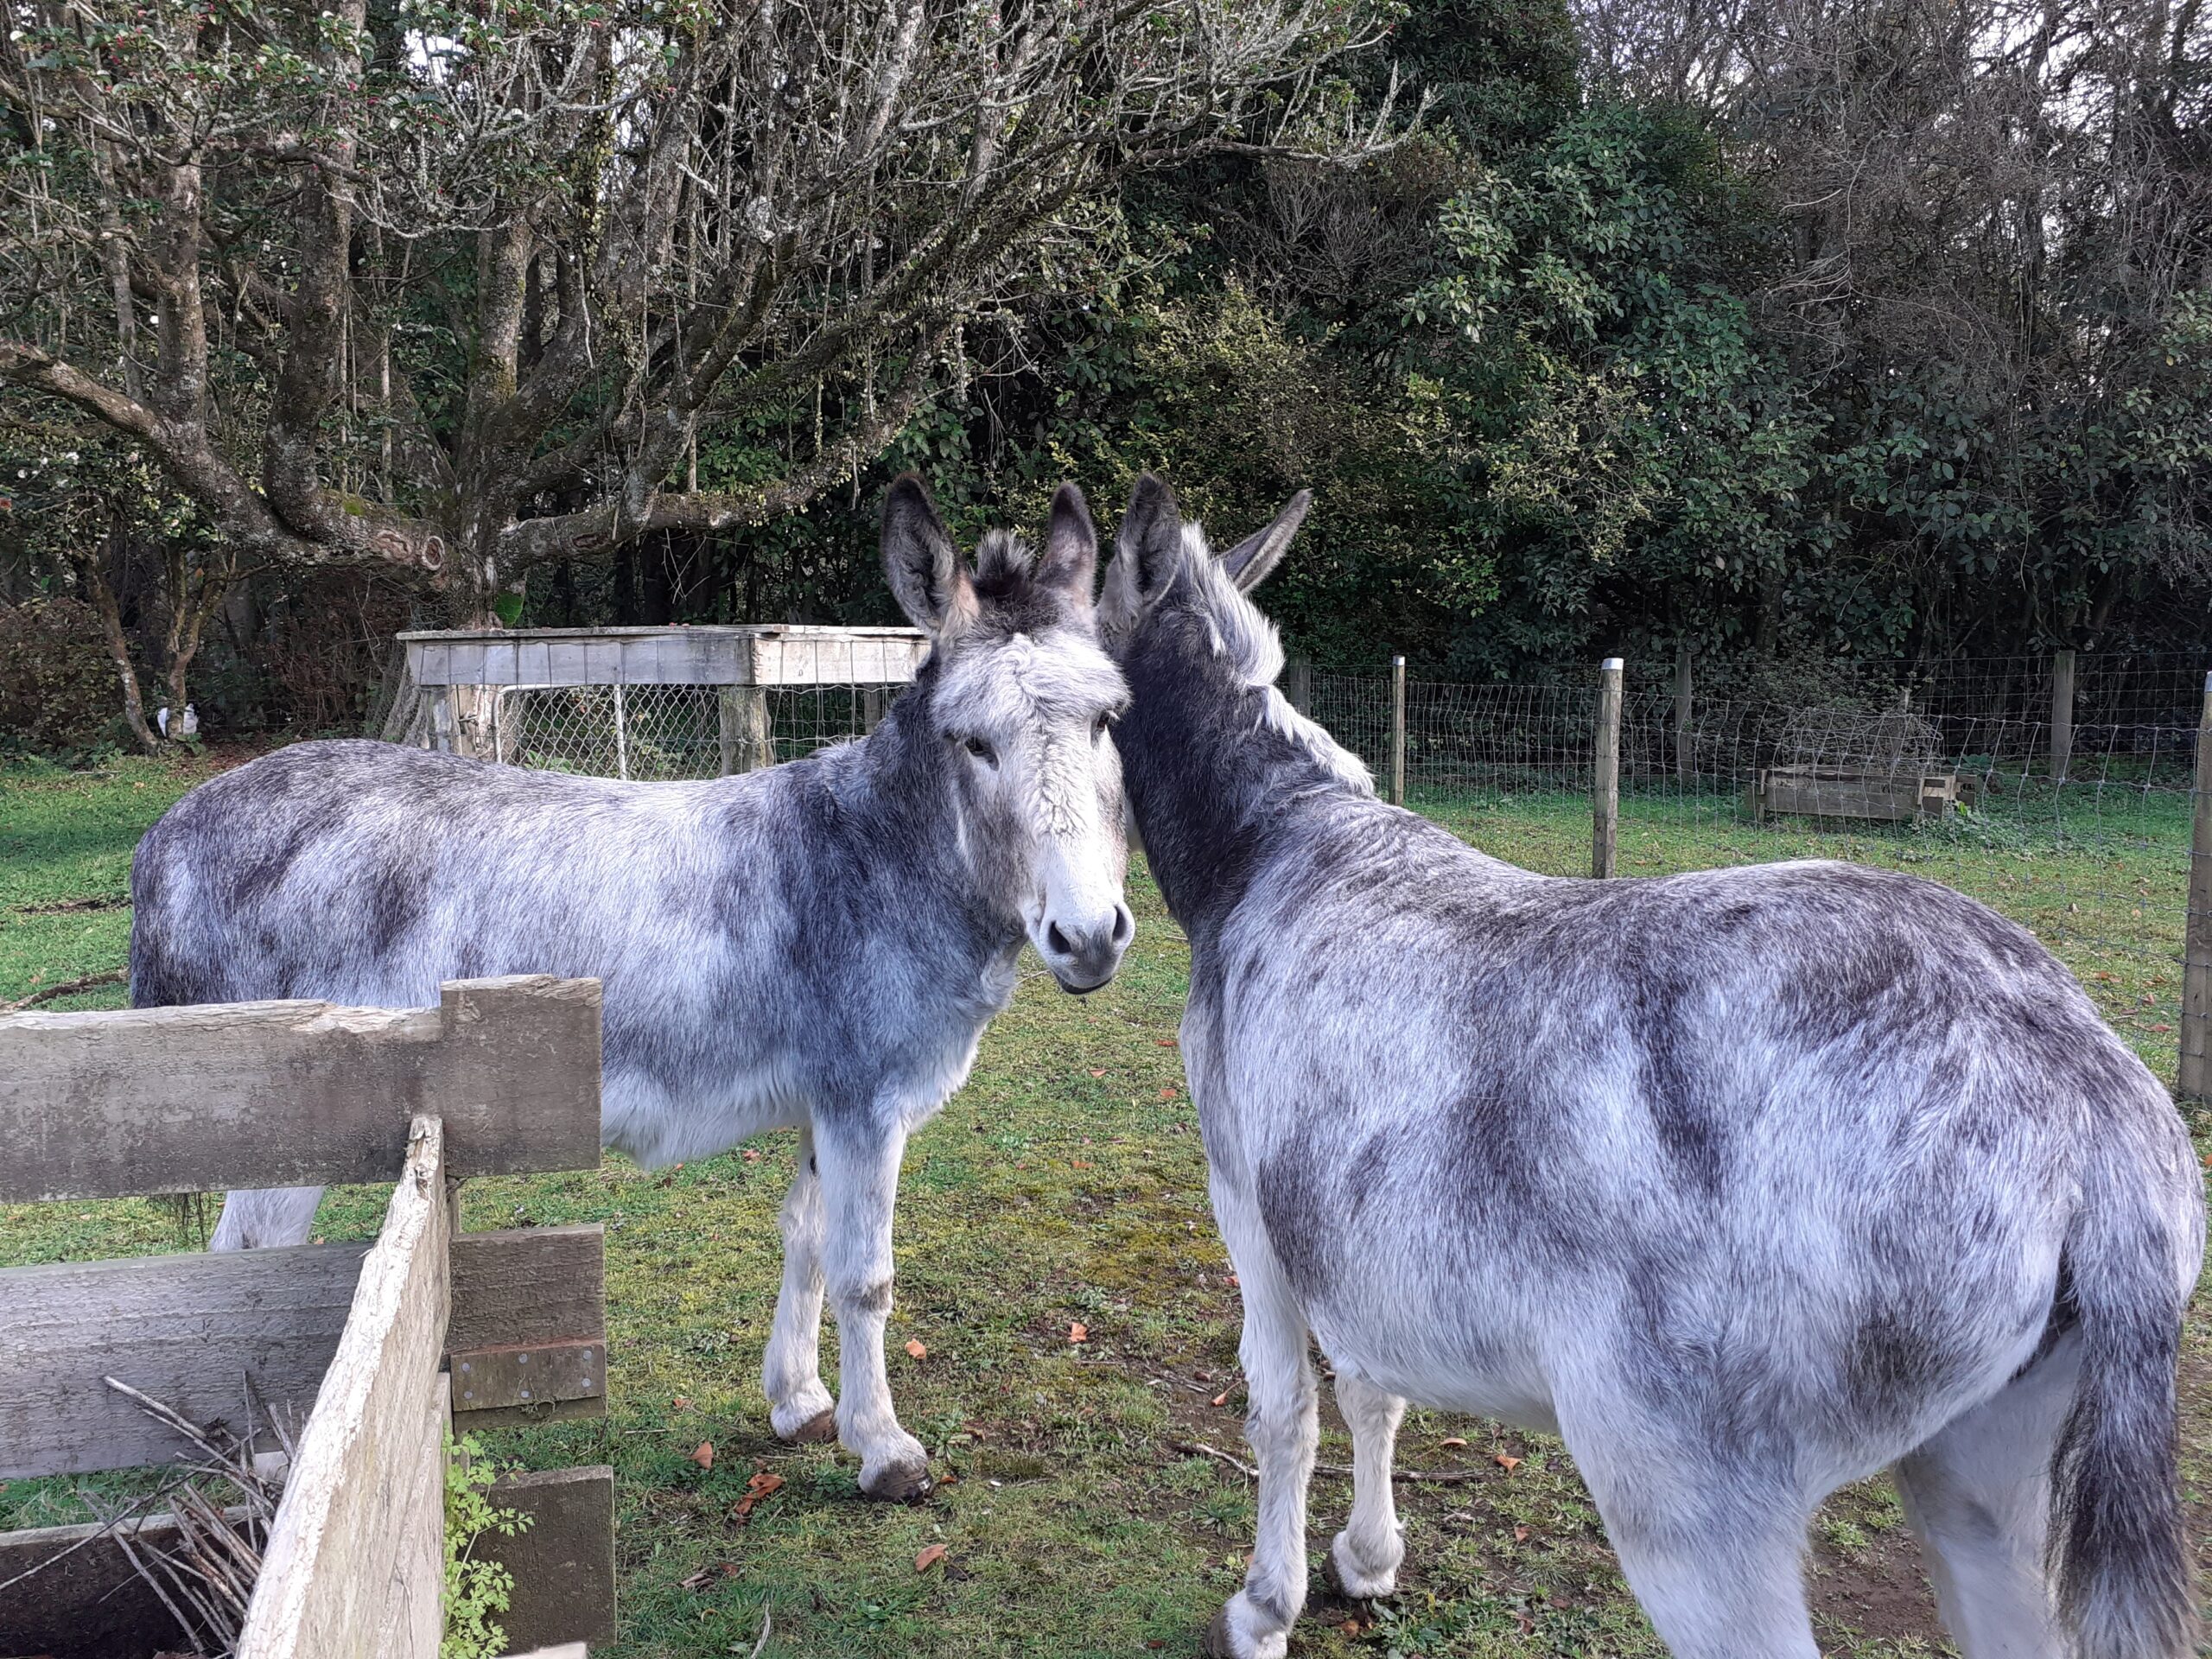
point(1747, 1183)
point(817, 945)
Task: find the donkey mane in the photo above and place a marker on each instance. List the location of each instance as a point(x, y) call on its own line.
point(1241, 633)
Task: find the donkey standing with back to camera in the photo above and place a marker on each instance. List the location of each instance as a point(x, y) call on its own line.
point(819, 945)
point(1747, 1183)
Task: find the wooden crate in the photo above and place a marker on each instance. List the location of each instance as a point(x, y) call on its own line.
point(366, 1341)
point(1852, 792)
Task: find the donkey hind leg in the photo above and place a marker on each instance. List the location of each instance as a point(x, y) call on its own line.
point(1978, 1493)
point(1365, 1555)
point(800, 1409)
point(256, 1217)
point(1712, 1552)
point(1283, 1425)
point(859, 1166)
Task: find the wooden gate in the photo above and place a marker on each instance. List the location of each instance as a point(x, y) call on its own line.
point(377, 1345)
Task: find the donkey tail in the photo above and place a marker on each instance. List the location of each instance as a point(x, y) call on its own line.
point(2119, 1549)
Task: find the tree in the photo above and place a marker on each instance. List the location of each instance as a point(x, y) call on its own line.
point(456, 287)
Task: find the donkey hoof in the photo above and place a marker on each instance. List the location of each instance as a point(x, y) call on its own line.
point(823, 1425)
point(1221, 1641)
point(900, 1483)
point(1348, 1581)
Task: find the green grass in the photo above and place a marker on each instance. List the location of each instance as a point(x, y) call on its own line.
point(1044, 1195)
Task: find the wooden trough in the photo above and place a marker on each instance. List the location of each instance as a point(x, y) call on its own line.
point(1852, 792)
point(373, 1347)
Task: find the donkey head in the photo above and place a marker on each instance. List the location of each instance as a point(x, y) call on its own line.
point(1167, 593)
point(1016, 700)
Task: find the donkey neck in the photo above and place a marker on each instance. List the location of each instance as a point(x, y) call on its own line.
point(1212, 779)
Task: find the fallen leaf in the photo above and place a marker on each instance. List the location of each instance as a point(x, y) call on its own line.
point(929, 1558)
point(1455, 1440)
point(681, 1403)
point(1168, 1093)
point(1079, 1163)
point(1507, 1463)
point(704, 1457)
point(750, 1156)
point(1222, 1399)
point(1349, 1627)
point(915, 1349)
point(1098, 1072)
point(1234, 1283)
point(1078, 1331)
point(950, 1479)
point(1520, 1534)
point(699, 1580)
point(1166, 1042)
point(762, 1486)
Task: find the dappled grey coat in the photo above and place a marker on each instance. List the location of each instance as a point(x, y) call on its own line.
point(820, 944)
point(1749, 1183)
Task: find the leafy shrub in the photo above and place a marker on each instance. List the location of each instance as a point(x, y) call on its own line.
point(477, 1593)
point(57, 685)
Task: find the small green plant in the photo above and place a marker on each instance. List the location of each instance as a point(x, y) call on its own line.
point(476, 1592)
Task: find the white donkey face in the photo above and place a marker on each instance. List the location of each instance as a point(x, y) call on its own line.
point(1022, 699)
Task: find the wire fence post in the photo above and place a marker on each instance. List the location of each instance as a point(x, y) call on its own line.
point(2062, 714)
point(1683, 715)
point(1298, 684)
point(1397, 731)
point(1605, 781)
point(621, 736)
point(2195, 1080)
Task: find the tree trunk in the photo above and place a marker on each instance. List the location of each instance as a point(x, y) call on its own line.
point(118, 651)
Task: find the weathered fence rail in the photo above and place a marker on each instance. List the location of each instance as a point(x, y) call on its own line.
point(377, 1345)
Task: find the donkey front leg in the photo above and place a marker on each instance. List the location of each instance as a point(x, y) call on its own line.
point(859, 1162)
point(800, 1409)
point(1365, 1555)
point(1283, 1425)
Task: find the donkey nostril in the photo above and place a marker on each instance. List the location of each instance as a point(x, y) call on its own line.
point(1058, 940)
point(1124, 925)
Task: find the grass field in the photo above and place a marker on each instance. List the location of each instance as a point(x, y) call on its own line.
point(1065, 1183)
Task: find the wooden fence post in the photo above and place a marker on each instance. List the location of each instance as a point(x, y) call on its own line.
point(871, 708)
point(1605, 781)
point(1397, 731)
point(1682, 758)
point(1298, 684)
point(748, 739)
point(2197, 955)
point(2062, 714)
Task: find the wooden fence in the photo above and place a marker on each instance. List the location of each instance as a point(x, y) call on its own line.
point(377, 1346)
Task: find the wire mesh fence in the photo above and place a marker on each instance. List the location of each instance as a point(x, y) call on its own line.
point(663, 732)
point(645, 704)
point(2079, 829)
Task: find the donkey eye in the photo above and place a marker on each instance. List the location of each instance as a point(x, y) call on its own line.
point(1098, 726)
point(981, 750)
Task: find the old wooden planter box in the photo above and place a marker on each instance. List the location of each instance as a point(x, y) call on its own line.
point(377, 1345)
point(1852, 792)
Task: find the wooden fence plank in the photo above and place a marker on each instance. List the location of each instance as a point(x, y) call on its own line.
point(564, 1563)
point(353, 1570)
point(297, 1094)
point(189, 1329)
point(86, 1600)
point(529, 1284)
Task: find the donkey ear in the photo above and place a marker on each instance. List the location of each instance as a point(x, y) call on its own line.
point(1254, 559)
point(918, 560)
point(1147, 547)
point(1070, 558)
